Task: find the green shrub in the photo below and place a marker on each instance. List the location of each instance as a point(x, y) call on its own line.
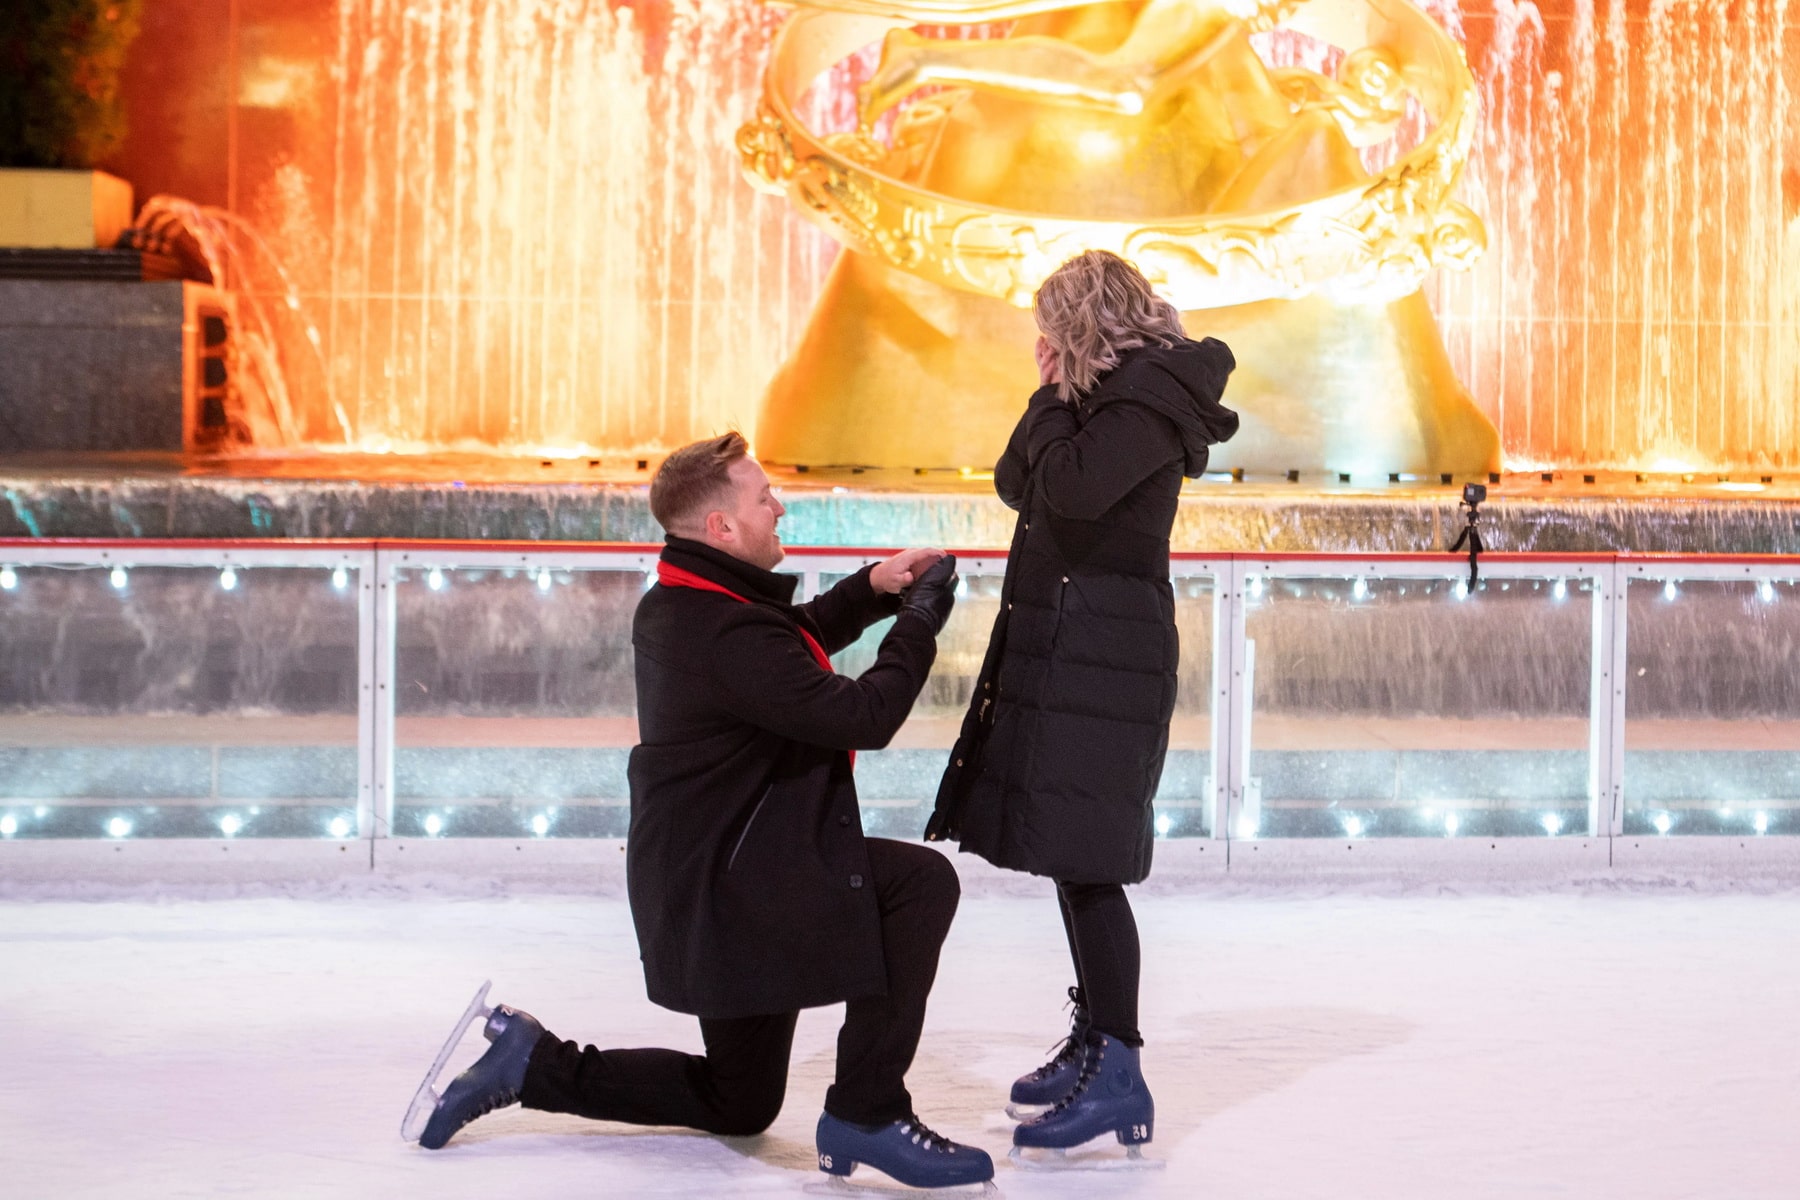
point(59, 80)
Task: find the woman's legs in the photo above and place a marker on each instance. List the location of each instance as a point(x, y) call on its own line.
point(1103, 939)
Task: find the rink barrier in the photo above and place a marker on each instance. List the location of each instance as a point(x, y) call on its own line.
point(1581, 778)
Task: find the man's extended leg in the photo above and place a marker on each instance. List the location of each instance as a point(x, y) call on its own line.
point(736, 1087)
point(916, 890)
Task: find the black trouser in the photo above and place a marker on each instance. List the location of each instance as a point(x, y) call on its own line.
point(737, 1086)
point(1103, 941)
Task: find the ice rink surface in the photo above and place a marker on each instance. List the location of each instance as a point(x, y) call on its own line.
point(1581, 1042)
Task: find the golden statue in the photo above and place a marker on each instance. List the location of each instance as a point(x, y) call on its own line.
point(1152, 129)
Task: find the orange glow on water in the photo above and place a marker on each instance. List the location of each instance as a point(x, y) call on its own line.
point(518, 224)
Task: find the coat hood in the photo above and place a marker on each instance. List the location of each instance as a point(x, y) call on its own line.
point(1183, 382)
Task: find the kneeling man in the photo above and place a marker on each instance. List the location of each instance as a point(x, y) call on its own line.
point(752, 887)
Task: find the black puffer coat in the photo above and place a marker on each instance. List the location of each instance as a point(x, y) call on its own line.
point(1061, 751)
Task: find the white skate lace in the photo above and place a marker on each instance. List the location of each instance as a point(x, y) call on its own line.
point(924, 1136)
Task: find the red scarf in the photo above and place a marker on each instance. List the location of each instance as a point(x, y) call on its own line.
point(670, 575)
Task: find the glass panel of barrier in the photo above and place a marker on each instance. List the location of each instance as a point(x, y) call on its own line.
point(1397, 707)
point(515, 702)
point(898, 786)
point(178, 701)
point(1712, 706)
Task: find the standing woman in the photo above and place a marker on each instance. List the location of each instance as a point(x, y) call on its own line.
point(1060, 753)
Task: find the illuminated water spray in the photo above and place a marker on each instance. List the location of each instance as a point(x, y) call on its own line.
point(535, 235)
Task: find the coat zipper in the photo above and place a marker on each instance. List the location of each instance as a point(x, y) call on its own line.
point(732, 861)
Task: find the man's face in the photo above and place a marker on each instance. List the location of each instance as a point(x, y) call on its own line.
point(753, 516)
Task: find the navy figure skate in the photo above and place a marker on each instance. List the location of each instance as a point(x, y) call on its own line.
point(906, 1151)
point(494, 1081)
point(1033, 1093)
point(1109, 1097)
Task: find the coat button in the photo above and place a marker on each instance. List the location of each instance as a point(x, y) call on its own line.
point(959, 762)
point(843, 820)
point(856, 881)
point(1065, 579)
point(986, 685)
point(1009, 608)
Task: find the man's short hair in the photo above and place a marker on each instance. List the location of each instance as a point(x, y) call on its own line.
point(693, 477)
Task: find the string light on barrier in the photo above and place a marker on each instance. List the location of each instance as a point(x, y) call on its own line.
point(228, 579)
point(230, 824)
point(1552, 823)
point(118, 827)
point(9, 825)
point(340, 579)
point(118, 579)
point(434, 579)
point(1451, 824)
point(540, 825)
point(9, 579)
point(1760, 822)
point(434, 825)
point(1669, 592)
point(1663, 822)
point(1353, 826)
point(1765, 591)
point(339, 828)
point(1560, 590)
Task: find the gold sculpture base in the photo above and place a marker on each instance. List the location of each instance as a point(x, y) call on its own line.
point(895, 371)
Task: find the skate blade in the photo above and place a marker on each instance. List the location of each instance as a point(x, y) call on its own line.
point(1024, 1112)
point(1090, 1156)
point(889, 1189)
point(425, 1100)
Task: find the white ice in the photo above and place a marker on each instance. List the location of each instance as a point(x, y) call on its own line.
point(1570, 1042)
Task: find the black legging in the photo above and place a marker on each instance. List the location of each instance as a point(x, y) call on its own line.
point(1103, 941)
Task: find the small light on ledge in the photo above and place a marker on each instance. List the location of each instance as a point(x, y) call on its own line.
point(9, 579)
point(543, 579)
point(1663, 822)
point(1451, 824)
point(9, 825)
point(1247, 827)
point(1669, 592)
point(340, 578)
point(230, 824)
point(1163, 824)
point(1552, 823)
point(118, 579)
point(434, 825)
point(1360, 589)
point(228, 579)
point(435, 579)
point(1353, 826)
point(118, 827)
point(540, 825)
point(1560, 590)
point(1760, 822)
point(339, 828)
point(1764, 592)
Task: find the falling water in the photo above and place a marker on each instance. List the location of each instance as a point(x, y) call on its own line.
point(534, 236)
point(1637, 307)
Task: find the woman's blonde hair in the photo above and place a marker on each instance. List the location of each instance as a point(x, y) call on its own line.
point(1093, 309)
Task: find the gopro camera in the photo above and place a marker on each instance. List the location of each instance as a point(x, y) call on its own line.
point(1474, 493)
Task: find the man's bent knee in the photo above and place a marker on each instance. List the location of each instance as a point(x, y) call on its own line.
point(745, 1116)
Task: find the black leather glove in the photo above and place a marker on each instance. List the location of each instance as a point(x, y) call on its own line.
point(933, 593)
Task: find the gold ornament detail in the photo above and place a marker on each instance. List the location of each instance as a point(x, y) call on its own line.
point(1372, 241)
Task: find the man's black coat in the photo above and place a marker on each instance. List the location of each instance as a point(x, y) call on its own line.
point(746, 866)
point(1063, 745)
